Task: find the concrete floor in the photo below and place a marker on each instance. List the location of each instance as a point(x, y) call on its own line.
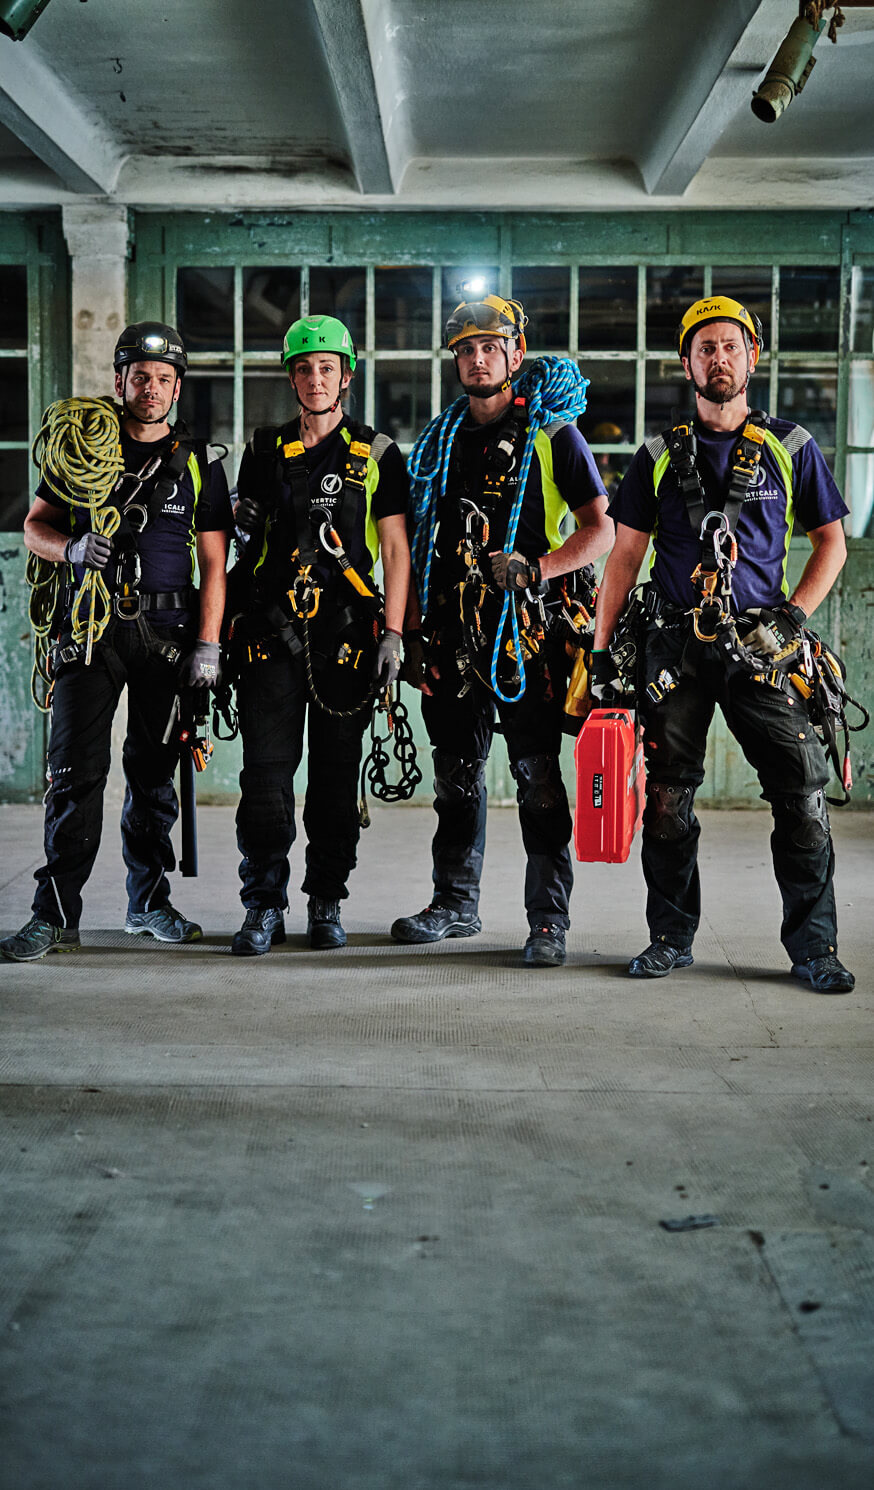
point(388, 1218)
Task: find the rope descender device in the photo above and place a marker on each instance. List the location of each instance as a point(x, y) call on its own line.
point(712, 577)
point(305, 593)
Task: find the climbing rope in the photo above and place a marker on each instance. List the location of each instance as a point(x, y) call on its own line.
point(78, 453)
point(554, 389)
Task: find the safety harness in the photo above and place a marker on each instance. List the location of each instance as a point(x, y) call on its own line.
point(805, 664)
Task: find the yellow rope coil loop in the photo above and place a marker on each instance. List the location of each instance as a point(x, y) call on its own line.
point(78, 453)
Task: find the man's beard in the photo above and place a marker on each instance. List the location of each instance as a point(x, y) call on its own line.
point(719, 393)
point(482, 390)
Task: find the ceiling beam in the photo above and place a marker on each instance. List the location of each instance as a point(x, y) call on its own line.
point(345, 37)
point(719, 78)
point(43, 116)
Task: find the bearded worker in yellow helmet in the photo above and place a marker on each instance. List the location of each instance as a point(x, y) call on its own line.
point(718, 623)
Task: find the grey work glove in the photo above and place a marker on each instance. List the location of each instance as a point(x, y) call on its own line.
point(200, 669)
point(248, 514)
point(415, 668)
point(771, 633)
point(515, 572)
point(605, 684)
point(92, 550)
point(387, 667)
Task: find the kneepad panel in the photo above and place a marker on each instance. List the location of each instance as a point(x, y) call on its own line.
point(668, 811)
point(455, 779)
point(538, 781)
point(802, 820)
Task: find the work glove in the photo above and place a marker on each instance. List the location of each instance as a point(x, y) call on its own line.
point(415, 668)
point(200, 669)
point(248, 514)
point(605, 684)
point(515, 572)
point(769, 633)
point(387, 667)
point(92, 550)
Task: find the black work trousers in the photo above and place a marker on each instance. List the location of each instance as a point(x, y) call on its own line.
point(461, 732)
point(275, 708)
point(84, 701)
point(777, 738)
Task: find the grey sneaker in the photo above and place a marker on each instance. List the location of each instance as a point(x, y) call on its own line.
point(165, 924)
point(434, 923)
point(37, 938)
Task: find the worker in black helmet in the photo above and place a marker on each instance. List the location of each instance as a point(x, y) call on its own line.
point(172, 502)
point(720, 624)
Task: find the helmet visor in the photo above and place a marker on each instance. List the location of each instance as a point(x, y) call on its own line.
point(477, 317)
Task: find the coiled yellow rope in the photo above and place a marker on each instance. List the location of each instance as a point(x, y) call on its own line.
point(78, 452)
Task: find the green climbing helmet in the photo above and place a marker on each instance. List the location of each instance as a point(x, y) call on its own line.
point(318, 334)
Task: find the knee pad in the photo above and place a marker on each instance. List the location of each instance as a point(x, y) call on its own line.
point(668, 812)
point(538, 782)
point(802, 820)
point(457, 780)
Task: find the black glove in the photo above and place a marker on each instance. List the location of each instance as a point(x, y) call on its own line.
point(200, 669)
point(605, 684)
point(768, 633)
point(515, 572)
point(92, 550)
point(248, 514)
point(415, 668)
point(387, 667)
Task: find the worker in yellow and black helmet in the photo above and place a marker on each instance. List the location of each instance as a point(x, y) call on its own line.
point(490, 316)
point(721, 308)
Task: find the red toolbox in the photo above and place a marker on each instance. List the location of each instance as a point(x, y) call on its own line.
point(610, 786)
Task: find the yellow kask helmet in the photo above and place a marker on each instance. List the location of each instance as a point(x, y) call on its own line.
point(719, 308)
point(490, 316)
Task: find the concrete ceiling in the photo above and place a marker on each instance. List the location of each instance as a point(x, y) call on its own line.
point(403, 103)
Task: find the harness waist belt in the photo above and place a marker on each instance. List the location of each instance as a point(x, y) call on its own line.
point(164, 599)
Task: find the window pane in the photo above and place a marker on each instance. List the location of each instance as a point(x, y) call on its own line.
point(403, 399)
point(271, 301)
point(608, 309)
point(207, 405)
point(205, 309)
point(450, 388)
point(859, 495)
point(669, 293)
point(809, 310)
point(545, 295)
point(13, 305)
point(752, 287)
point(13, 398)
point(340, 293)
point(759, 394)
point(669, 396)
point(809, 395)
point(268, 398)
point(403, 308)
point(452, 293)
point(17, 479)
point(609, 416)
point(862, 311)
point(860, 428)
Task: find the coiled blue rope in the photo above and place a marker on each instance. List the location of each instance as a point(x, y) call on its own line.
point(554, 388)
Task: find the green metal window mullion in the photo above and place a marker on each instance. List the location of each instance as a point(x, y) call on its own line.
point(239, 411)
point(35, 328)
point(774, 370)
point(842, 411)
point(369, 343)
point(640, 373)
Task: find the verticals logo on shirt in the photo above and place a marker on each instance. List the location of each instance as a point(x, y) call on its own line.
point(757, 493)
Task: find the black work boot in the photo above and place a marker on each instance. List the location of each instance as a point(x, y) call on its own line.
point(261, 928)
point(825, 974)
point(323, 924)
point(434, 923)
point(659, 959)
point(545, 947)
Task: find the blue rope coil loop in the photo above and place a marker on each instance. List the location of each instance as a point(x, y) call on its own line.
point(554, 388)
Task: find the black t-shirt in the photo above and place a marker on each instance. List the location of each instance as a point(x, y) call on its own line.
point(166, 545)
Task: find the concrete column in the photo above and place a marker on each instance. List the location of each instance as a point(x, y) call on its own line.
point(98, 239)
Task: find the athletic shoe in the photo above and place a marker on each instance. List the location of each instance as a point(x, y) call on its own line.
point(37, 938)
point(545, 947)
point(434, 923)
point(165, 924)
point(659, 959)
point(323, 924)
point(260, 931)
point(826, 974)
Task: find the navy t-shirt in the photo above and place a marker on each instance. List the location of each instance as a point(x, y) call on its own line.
point(793, 485)
point(562, 477)
point(165, 546)
point(326, 469)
